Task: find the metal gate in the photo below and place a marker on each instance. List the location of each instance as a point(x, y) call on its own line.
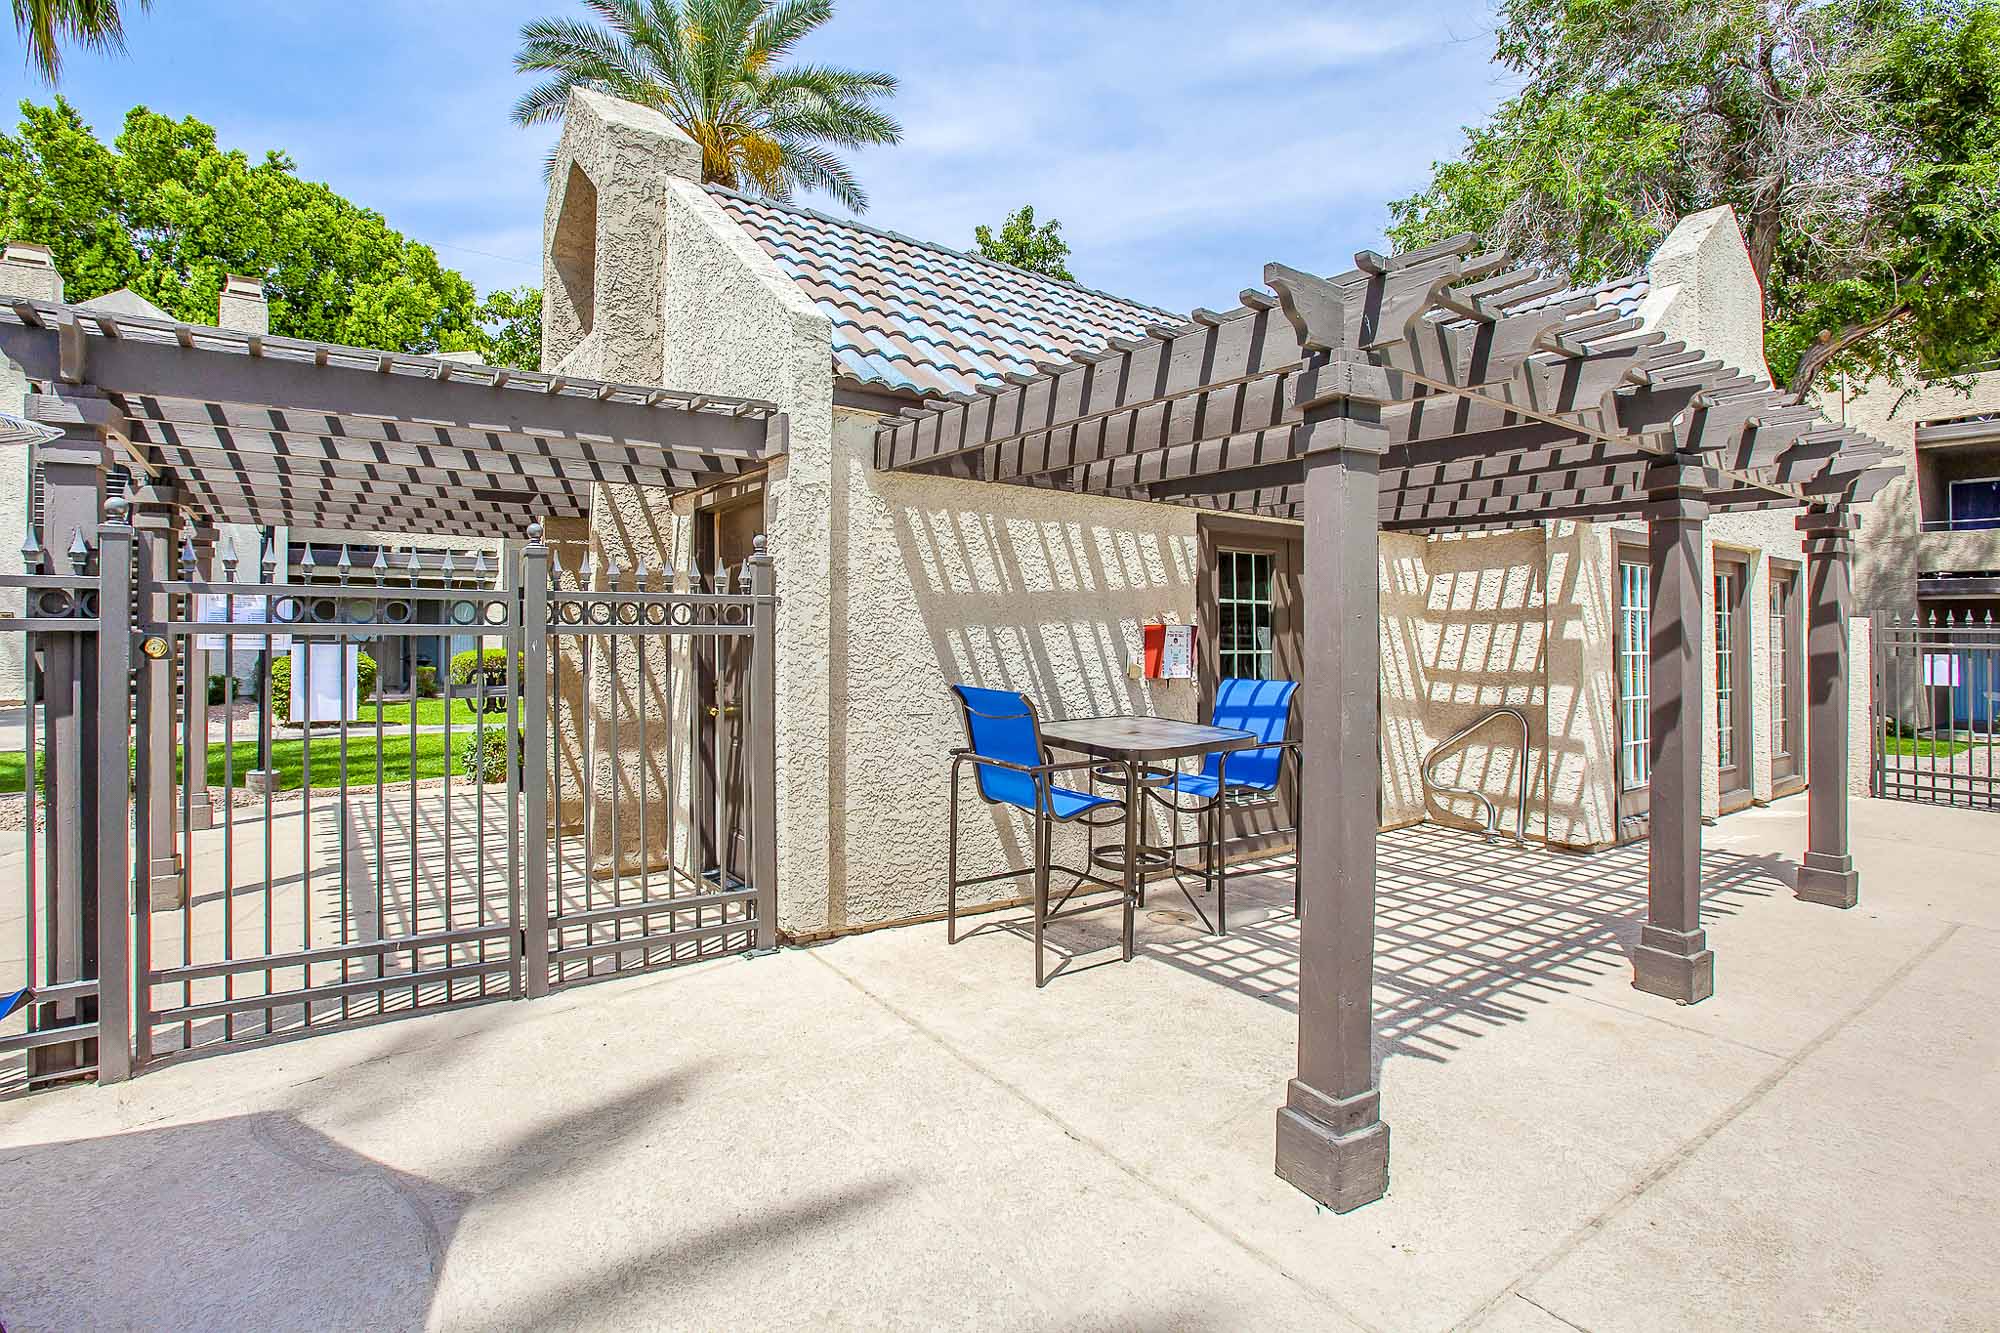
point(66, 889)
point(339, 856)
point(1935, 703)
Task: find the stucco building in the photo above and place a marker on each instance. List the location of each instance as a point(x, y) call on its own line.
point(895, 584)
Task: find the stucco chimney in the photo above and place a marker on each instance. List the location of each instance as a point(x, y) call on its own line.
point(242, 306)
point(29, 270)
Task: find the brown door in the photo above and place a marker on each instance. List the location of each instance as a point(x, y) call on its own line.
point(1787, 682)
point(723, 537)
point(1732, 680)
point(1633, 652)
point(1249, 612)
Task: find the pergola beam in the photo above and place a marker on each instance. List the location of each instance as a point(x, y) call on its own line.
point(222, 372)
point(286, 449)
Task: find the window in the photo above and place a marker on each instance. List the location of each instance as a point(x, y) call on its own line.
point(1975, 503)
point(1243, 605)
point(1635, 583)
point(1727, 581)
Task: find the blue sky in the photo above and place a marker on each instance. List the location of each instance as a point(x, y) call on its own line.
point(1181, 144)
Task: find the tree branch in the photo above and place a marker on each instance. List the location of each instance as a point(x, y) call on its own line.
point(1832, 343)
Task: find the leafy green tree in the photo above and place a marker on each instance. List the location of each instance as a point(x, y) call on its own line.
point(166, 212)
point(713, 67)
point(1024, 245)
point(513, 323)
point(1857, 140)
point(45, 25)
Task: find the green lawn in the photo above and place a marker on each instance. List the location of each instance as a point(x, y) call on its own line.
point(430, 713)
point(1923, 747)
point(289, 758)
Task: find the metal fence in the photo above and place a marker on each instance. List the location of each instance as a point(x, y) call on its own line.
point(586, 792)
point(70, 982)
point(1935, 706)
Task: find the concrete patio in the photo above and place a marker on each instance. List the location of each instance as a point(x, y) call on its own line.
point(883, 1131)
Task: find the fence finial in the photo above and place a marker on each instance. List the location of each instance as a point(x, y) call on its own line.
point(79, 552)
point(535, 531)
point(229, 557)
point(116, 508)
point(31, 552)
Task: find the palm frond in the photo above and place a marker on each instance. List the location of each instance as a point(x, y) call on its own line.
point(712, 67)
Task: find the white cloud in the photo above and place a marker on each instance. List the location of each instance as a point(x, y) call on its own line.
point(1316, 42)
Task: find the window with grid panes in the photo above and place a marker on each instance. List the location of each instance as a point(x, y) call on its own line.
point(1635, 580)
point(1781, 706)
point(1725, 668)
point(1244, 608)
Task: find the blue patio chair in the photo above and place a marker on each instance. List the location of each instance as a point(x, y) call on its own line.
point(1012, 768)
point(1264, 708)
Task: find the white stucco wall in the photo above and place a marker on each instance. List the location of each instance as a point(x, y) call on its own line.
point(937, 581)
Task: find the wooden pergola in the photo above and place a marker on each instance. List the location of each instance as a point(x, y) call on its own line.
point(221, 426)
point(1442, 390)
point(249, 428)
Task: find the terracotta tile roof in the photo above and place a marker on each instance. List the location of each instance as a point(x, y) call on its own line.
point(923, 318)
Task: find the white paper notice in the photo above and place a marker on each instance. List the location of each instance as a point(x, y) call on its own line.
point(213, 608)
point(334, 691)
point(1177, 653)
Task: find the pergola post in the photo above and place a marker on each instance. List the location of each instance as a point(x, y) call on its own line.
point(1827, 873)
point(155, 509)
point(1332, 1143)
point(1672, 957)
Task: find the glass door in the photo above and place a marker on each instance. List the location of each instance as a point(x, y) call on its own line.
point(1787, 661)
point(1248, 614)
point(1732, 759)
point(1634, 663)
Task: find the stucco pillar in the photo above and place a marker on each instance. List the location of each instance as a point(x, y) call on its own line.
point(1332, 1143)
point(1827, 874)
point(154, 511)
point(1673, 958)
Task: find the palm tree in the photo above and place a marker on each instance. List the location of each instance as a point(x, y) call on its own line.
point(45, 25)
point(712, 67)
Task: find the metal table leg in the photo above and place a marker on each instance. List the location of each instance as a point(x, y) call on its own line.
point(1133, 878)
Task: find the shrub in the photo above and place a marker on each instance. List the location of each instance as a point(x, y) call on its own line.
point(218, 689)
point(427, 682)
point(494, 660)
point(281, 683)
point(486, 754)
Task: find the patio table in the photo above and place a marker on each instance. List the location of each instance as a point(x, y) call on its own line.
point(1133, 749)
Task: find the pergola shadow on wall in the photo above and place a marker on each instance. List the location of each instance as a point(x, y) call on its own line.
point(215, 426)
point(1438, 391)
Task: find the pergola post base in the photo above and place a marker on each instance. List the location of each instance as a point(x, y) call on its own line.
point(1829, 880)
point(1336, 1152)
point(1676, 964)
point(163, 884)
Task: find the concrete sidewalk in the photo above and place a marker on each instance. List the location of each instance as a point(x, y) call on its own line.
point(884, 1131)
